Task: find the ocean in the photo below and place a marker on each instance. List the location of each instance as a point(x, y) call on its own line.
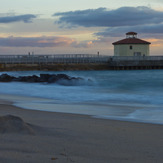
point(132, 95)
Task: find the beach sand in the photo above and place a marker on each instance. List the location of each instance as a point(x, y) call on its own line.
point(67, 138)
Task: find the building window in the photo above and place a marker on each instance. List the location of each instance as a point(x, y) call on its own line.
point(130, 47)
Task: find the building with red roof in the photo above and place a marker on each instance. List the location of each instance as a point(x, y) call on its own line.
point(131, 46)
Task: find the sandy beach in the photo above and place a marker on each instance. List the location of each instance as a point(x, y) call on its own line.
point(64, 138)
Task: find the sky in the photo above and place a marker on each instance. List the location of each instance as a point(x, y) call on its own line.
point(77, 26)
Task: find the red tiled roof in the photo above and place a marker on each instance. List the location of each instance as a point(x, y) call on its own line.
point(131, 41)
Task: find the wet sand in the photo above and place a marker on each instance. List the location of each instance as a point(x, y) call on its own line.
point(64, 138)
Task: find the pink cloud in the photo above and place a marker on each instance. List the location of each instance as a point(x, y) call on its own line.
point(43, 41)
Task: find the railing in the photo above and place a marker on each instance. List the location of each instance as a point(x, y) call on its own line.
point(67, 58)
point(71, 58)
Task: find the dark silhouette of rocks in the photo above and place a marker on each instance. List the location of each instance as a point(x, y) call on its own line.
point(6, 78)
point(14, 124)
point(46, 78)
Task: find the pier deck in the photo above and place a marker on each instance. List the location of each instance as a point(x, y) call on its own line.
point(79, 61)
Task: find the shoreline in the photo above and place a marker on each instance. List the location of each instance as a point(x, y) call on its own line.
point(79, 138)
point(114, 112)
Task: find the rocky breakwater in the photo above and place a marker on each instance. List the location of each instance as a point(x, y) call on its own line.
point(61, 79)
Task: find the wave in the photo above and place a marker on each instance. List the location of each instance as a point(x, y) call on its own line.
point(134, 87)
point(140, 91)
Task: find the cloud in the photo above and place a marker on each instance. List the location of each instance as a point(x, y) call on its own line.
point(43, 42)
point(25, 18)
point(102, 17)
point(35, 41)
point(145, 29)
point(82, 44)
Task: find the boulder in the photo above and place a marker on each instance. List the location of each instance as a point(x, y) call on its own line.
point(52, 79)
point(14, 124)
point(6, 78)
point(63, 76)
point(44, 77)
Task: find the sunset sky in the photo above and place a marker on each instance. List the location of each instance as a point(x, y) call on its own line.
point(77, 26)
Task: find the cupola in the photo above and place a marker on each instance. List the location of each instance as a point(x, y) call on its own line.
point(131, 35)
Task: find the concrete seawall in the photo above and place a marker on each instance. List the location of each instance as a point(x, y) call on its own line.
point(53, 67)
point(95, 66)
point(135, 64)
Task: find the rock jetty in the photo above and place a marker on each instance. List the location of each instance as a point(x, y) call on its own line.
point(62, 79)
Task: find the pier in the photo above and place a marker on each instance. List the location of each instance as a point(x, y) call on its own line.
point(79, 62)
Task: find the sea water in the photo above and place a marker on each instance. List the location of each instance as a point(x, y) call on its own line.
point(135, 95)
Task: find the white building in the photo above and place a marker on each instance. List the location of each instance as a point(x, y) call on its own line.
point(131, 46)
